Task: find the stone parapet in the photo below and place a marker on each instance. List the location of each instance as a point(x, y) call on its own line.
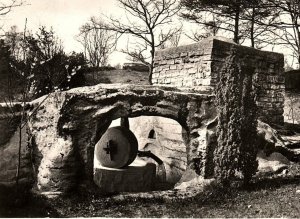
point(199, 65)
point(184, 66)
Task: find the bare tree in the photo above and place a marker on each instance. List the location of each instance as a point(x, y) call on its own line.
point(146, 20)
point(98, 43)
point(210, 28)
point(257, 23)
point(13, 38)
point(7, 5)
point(138, 52)
point(173, 41)
point(288, 25)
point(10, 54)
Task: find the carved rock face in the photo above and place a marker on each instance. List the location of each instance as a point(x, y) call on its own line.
point(69, 124)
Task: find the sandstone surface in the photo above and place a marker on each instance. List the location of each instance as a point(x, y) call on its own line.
point(68, 124)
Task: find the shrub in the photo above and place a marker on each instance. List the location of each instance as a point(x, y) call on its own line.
point(60, 72)
point(237, 121)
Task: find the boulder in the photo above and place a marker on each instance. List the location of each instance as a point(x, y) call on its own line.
point(279, 158)
point(271, 141)
point(198, 183)
point(275, 163)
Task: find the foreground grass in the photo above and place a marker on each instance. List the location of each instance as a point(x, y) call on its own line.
point(277, 197)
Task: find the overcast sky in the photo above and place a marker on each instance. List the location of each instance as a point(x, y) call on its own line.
point(65, 16)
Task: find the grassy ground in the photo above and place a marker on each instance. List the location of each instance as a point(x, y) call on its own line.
point(266, 197)
point(93, 78)
point(117, 76)
point(270, 198)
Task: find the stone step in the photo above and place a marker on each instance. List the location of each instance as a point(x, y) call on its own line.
point(137, 177)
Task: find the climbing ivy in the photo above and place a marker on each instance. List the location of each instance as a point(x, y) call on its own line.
point(236, 150)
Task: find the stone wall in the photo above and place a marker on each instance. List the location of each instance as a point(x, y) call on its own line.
point(184, 66)
point(198, 66)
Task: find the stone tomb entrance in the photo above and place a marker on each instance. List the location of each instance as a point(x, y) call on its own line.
point(163, 137)
point(79, 117)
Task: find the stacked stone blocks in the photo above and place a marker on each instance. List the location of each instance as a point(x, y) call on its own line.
point(183, 66)
point(198, 66)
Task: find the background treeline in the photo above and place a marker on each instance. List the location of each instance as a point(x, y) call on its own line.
point(256, 23)
point(33, 65)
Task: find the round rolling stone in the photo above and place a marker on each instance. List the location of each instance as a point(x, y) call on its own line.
point(117, 148)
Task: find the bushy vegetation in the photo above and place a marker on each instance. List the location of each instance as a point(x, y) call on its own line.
point(34, 65)
point(10, 80)
point(237, 122)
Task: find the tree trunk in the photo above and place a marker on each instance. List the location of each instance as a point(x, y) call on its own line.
point(152, 57)
point(252, 28)
point(150, 73)
point(236, 24)
point(19, 154)
point(298, 44)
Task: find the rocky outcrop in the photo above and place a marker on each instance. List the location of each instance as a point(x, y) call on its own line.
point(270, 141)
point(68, 124)
point(274, 163)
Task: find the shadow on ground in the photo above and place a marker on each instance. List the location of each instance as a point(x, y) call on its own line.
point(266, 197)
point(17, 203)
